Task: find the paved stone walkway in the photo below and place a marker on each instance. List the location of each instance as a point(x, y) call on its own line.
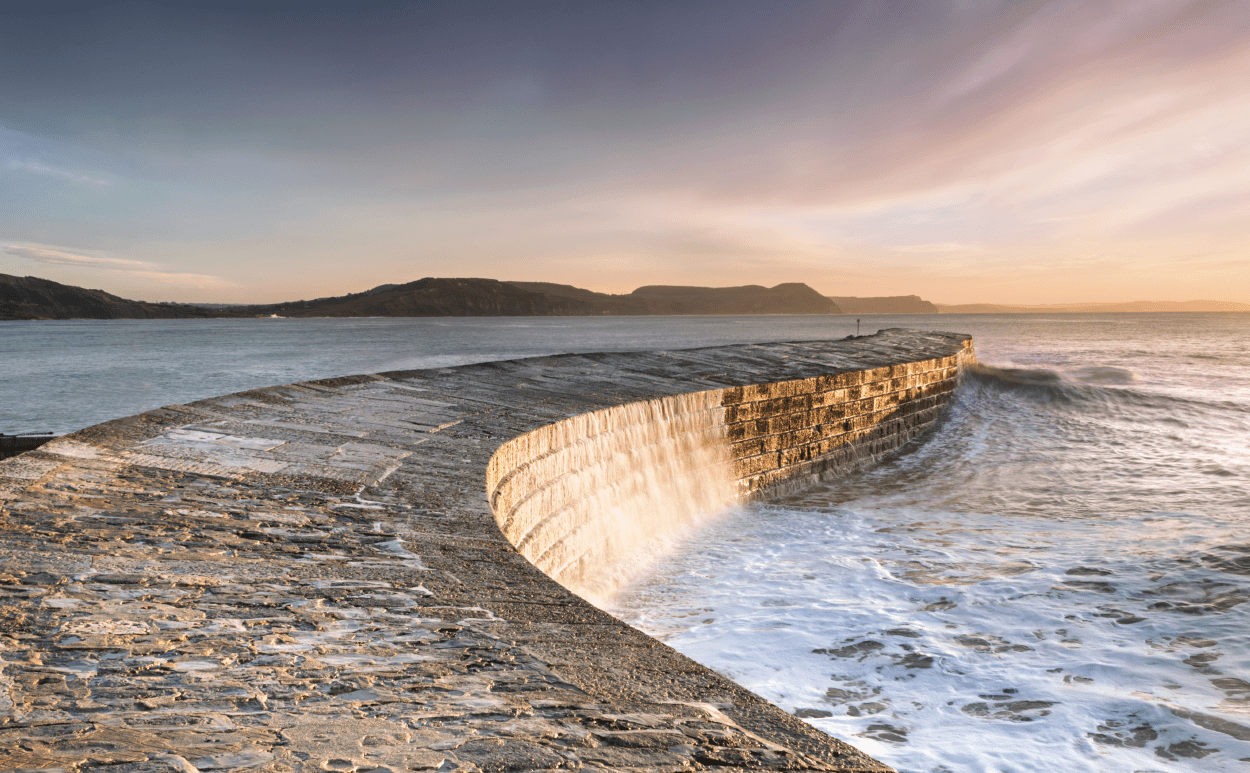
point(309, 578)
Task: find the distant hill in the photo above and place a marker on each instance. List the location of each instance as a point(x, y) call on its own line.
point(28, 297)
point(561, 291)
point(430, 297)
point(596, 303)
point(789, 298)
point(890, 304)
point(1095, 308)
point(34, 298)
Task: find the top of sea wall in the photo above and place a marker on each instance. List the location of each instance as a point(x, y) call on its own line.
point(309, 577)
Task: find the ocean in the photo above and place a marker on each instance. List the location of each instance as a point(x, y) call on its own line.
point(1054, 579)
point(62, 376)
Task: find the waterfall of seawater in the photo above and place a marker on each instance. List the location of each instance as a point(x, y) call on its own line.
point(591, 500)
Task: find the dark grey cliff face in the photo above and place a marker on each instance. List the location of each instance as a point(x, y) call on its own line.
point(310, 577)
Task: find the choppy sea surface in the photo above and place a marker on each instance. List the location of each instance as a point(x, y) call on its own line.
point(1055, 579)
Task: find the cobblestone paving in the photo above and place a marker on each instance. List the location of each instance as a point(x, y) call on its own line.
point(309, 578)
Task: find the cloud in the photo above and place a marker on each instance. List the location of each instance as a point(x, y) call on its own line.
point(139, 268)
point(64, 174)
point(41, 254)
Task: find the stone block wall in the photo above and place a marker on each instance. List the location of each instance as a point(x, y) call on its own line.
point(786, 435)
point(577, 496)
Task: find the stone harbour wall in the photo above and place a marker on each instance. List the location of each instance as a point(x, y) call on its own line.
point(311, 577)
point(584, 493)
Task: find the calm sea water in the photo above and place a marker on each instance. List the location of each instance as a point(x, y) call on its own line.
point(1053, 580)
point(63, 376)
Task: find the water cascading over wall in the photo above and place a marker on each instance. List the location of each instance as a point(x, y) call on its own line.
point(583, 497)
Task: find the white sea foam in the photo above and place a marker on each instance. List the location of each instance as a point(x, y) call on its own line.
point(972, 642)
point(1055, 581)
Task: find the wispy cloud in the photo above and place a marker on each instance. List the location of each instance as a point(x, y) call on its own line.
point(139, 268)
point(41, 254)
point(37, 167)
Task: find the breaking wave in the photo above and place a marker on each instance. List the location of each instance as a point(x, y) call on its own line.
point(1055, 580)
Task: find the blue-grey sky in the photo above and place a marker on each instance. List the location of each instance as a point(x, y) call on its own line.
point(963, 150)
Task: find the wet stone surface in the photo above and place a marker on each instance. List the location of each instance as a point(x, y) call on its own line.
point(309, 578)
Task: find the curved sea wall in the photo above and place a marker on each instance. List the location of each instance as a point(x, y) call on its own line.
point(313, 577)
point(585, 494)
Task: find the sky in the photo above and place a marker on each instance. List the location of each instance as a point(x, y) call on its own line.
point(961, 150)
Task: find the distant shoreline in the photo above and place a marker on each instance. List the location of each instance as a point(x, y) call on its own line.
point(839, 314)
point(33, 298)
